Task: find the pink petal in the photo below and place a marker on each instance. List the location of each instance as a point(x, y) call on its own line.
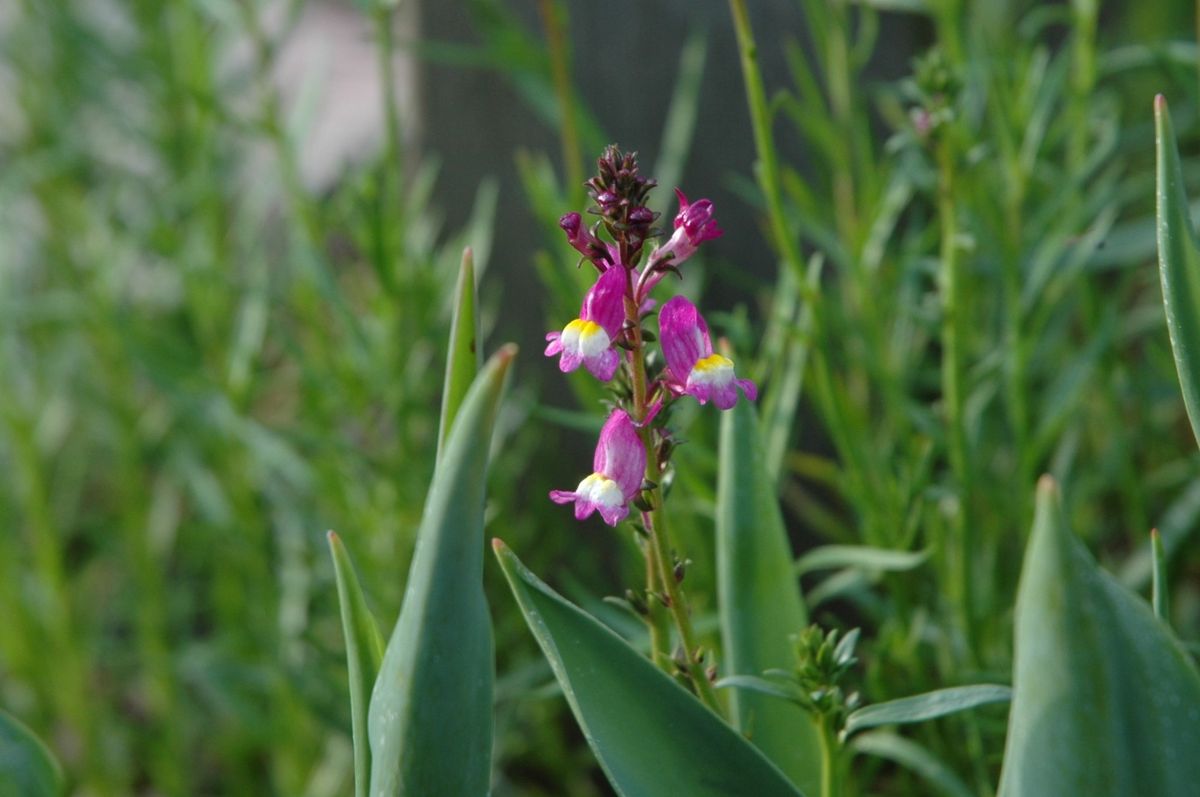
point(620, 454)
point(684, 337)
point(614, 514)
point(584, 509)
point(555, 345)
point(703, 392)
point(724, 396)
point(569, 361)
point(748, 388)
point(605, 301)
point(604, 365)
point(563, 496)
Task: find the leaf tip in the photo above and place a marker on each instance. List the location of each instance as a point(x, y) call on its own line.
point(1160, 104)
point(1047, 487)
point(507, 352)
point(333, 539)
point(1155, 537)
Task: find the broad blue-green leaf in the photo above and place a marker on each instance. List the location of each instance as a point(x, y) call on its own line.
point(927, 706)
point(650, 735)
point(759, 599)
point(1178, 264)
point(430, 719)
point(364, 652)
point(462, 357)
point(863, 557)
point(1105, 699)
point(27, 767)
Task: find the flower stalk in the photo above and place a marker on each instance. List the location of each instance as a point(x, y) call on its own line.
point(632, 455)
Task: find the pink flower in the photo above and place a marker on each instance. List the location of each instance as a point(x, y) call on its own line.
point(589, 339)
point(694, 224)
point(619, 465)
point(583, 241)
point(692, 367)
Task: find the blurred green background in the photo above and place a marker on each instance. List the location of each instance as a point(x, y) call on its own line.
point(228, 236)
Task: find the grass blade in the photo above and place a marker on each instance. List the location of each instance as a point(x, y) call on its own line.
point(862, 557)
point(364, 652)
point(1105, 699)
point(1179, 264)
point(27, 767)
point(908, 753)
point(759, 598)
point(462, 358)
point(430, 720)
point(650, 735)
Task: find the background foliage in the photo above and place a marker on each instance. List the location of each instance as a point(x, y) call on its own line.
point(207, 363)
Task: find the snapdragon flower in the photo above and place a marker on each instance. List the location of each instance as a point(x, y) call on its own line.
point(589, 339)
point(692, 367)
point(694, 224)
point(618, 468)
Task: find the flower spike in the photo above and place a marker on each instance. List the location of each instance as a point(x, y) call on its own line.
point(692, 367)
point(618, 468)
point(589, 339)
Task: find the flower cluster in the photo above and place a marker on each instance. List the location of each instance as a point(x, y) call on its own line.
point(609, 331)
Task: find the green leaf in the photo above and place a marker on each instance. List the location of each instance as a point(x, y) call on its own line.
point(908, 753)
point(759, 599)
point(1179, 264)
point(650, 735)
point(27, 767)
point(430, 719)
point(1158, 587)
point(862, 557)
point(364, 652)
point(779, 689)
point(462, 358)
point(927, 706)
point(1105, 699)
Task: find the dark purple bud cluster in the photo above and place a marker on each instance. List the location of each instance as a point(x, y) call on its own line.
point(619, 191)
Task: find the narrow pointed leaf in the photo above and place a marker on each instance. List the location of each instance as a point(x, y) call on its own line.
point(927, 706)
point(462, 357)
point(430, 719)
point(777, 689)
point(1105, 699)
point(759, 599)
point(1178, 263)
point(1158, 586)
point(863, 557)
point(650, 735)
point(27, 767)
point(364, 652)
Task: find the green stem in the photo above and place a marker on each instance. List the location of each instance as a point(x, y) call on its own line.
point(952, 379)
point(830, 785)
point(656, 619)
point(553, 19)
point(389, 207)
point(767, 168)
point(658, 551)
point(677, 604)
